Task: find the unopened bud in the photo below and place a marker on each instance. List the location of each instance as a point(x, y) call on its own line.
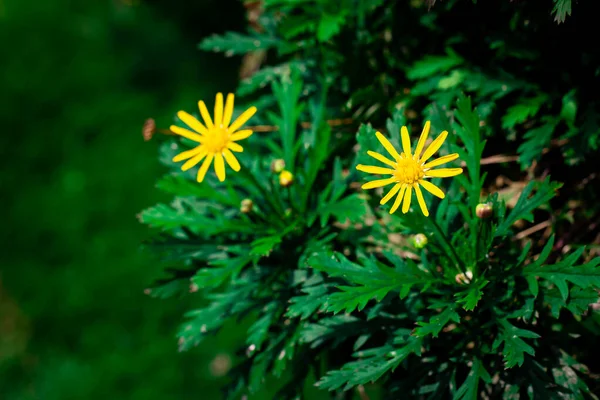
point(277, 166)
point(286, 178)
point(148, 129)
point(419, 240)
point(463, 279)
point(246, 206)
point(484, 210)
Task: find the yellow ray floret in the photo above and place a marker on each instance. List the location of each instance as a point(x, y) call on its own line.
point(409, 169)
point(217, 138)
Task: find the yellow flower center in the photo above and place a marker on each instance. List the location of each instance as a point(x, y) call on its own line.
point(217, 140)
point(408, 171)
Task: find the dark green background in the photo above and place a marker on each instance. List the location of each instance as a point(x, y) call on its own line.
point(78, 79)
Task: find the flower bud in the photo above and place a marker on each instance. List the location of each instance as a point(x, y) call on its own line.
point(463, 279)
point(419, 240)
point(277, 166)
point(246, 206)
point(149, 129)
point(286, 178)
point(484, 210)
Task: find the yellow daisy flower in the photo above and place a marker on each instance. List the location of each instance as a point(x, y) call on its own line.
point(409, 170)
point(217, 138)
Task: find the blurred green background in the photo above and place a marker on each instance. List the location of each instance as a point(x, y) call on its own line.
point(78, 80)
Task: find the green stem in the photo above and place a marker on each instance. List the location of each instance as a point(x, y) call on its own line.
point(459, 264)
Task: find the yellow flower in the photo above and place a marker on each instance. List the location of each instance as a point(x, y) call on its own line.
point(217, 138)
point(409, 170)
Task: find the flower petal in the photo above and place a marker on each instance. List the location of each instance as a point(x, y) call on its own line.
point(188, 153)
point(220, 166)
point(186, 134)
point(406, 142)
point(242, 119)
point(388, 146)
point(219, 109)
point(431, 188)
point(398, 200)
point(235, 147)
point(382, 158)
point(422, 140)
point(378, 183)
point(441, 160)
point(443, 172)
point(204, 167)
point(390, 194)
point(228, 110)
point(371, 169)
point(407, 197)
point(192, 122)
point(434, 146)
point(205, 115)
point(239, 135)
point(231, 160)
point(194, 160)
point(421, 200)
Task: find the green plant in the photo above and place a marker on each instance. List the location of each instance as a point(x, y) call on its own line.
point(332, 282)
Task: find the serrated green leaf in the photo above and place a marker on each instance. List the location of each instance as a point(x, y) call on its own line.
point(520, 112)
point(219, 271)
point(578, 302)
point(469, 390)
point(437, 323)
point(561, 9)
point(523, 209)
point(351, 207)
point(535, 140)
point(372, 281)
point(235, 43)
point(376, 363)
point(584, 276)
point(471, 296)
point(259, 330)
point(514, 347)
point(433, 65)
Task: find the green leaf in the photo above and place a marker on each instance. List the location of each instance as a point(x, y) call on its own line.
point(259, 330)
point(471, 296)
point(454, 79)
point(535, 140)
point(373, 281)
point(305, 306)
point(433, 65)
point(437, 322)
point(545, 190)
point(264, 246)
point(287, 91)
point(220, 271)
point(514, 347)
point(568, 111)
point(578, 303)
point(367, 141)
point(469, 390)
point(561, 9)
point(520, 112)
point(584, 276)
point(329, 26)
point(376, 363)
point(265, 76)
point(337, 328)
point(232, 43)
point(351, 207)
point(468, 130)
